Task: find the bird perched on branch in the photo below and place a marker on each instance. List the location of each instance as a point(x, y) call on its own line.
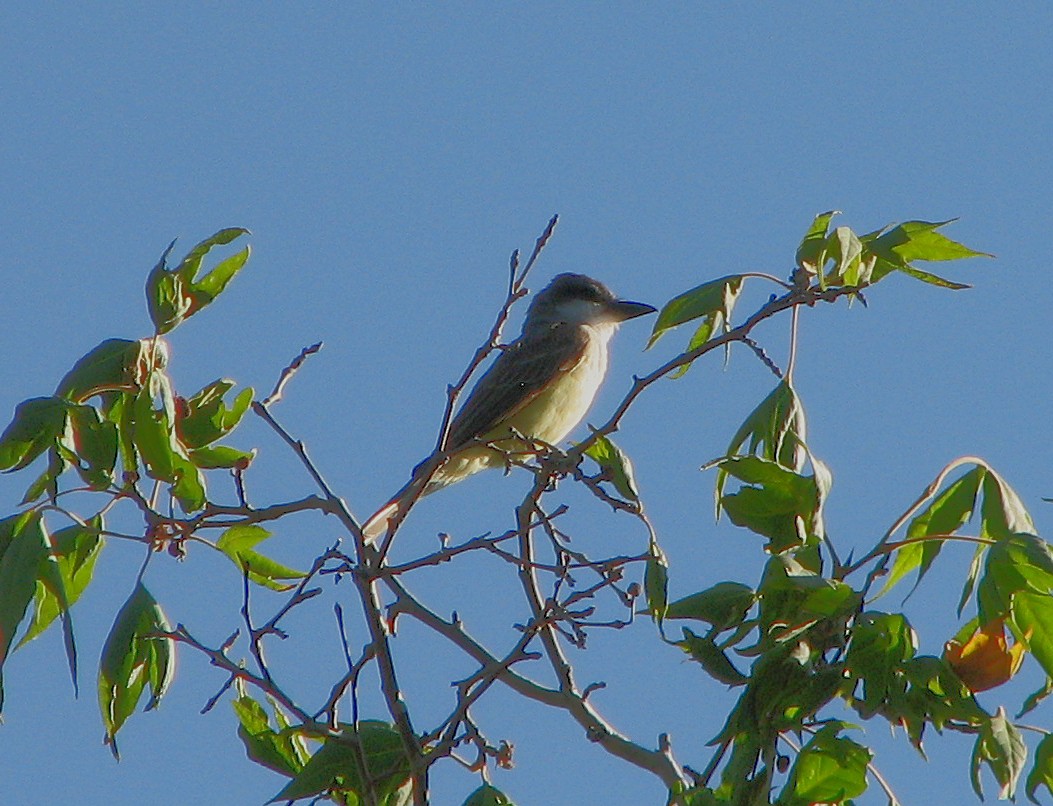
point(539, 388)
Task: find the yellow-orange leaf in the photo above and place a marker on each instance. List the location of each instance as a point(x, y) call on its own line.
point(985, 660)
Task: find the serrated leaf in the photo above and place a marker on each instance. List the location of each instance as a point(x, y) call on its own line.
point(132, 660)
point(237, 543)
point(616, 464)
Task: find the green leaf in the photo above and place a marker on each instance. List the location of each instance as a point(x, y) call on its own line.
point(829, 769)
point(1003, 512)
point(132, 659)
point(919, 240)
point(616, 464)
point(811, 254)
point(237, 543)
point(487, 795)
point(1033, 623)
point(947, 513)
point(89, 444)
point(713, 300)
point(723, 605)
point(37, 423)
point(1018, 564)
point(281, 751)
point(64, 574)
point(717, 665)
point(175, 295)
point(337, 764)
point(206, 418)
point(221, 457)
point(1036, 697)
point(114, 365)
point(1042, 772)
point(164, 457)
point(656, 585)
point(999, 746)
point(23, 546)
point(775, 431)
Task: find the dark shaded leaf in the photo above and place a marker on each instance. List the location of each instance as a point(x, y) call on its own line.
point(37, 423)
point(487, 795)
point(1042, 771)
point(717, 665)
point(724, 605)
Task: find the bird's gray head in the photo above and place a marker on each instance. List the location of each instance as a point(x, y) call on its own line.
point(580, 300)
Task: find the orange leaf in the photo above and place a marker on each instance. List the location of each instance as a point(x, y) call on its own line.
point(985, 660)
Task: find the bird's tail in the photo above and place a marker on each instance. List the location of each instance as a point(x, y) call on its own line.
point(394, 510)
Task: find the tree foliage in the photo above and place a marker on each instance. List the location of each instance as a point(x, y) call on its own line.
point(798, 646)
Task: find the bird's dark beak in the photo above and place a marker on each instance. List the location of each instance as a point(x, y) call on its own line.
point(623, 310)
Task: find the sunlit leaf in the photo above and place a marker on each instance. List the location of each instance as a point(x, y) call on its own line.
point(829, 769)
point(616, 464)
point(985, 660)
point(713, 302)
point(23, 547)
point(133, 658)
point(281, 751)
point(114, 365)
point(947, 513)
point(238, 544)
point(999, 746)
point(173, 295)
point(811, 254)
point(205, 417)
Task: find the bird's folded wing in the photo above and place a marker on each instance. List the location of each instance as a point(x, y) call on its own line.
point(518, 375)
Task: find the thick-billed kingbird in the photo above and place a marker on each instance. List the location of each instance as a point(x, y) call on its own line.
point(539, 388)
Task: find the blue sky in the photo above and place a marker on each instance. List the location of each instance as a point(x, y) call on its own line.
point(388, 158)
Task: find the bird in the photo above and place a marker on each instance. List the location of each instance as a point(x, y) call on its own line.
point(534, 394)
